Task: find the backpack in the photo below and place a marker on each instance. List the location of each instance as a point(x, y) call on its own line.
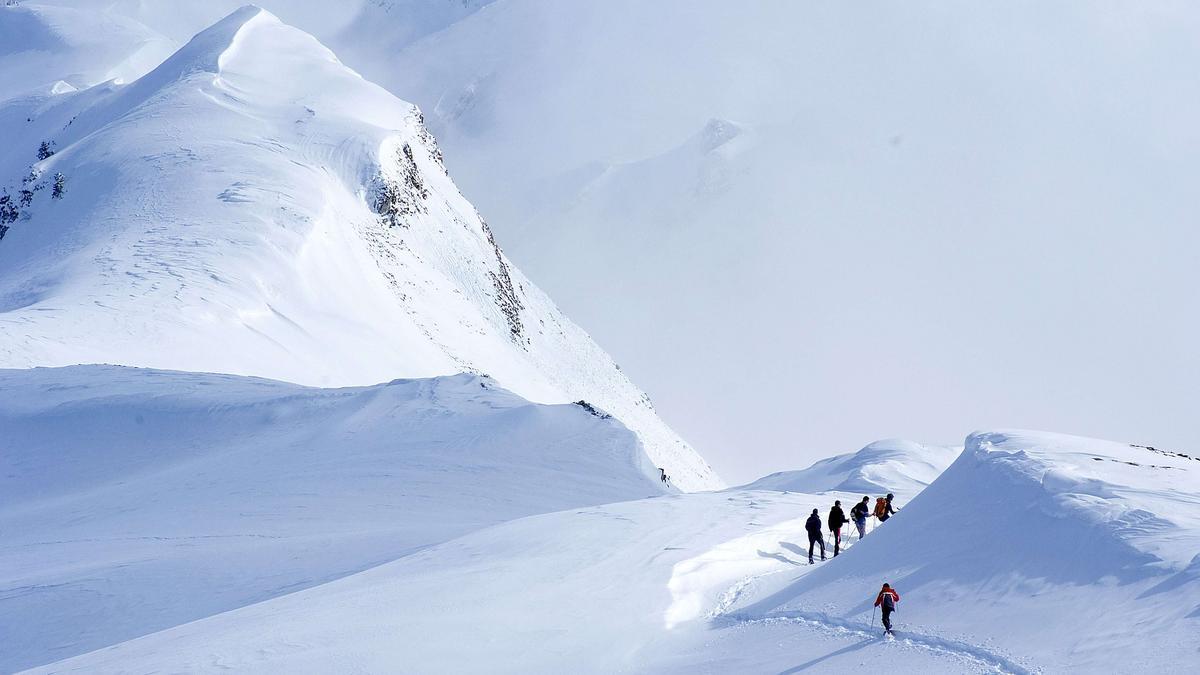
point(889, 602)
point(813, 525)
point(881, 508)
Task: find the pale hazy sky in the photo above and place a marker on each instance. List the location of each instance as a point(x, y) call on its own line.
point(939, 218)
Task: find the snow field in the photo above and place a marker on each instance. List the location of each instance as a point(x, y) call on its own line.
point(707, 582)
point(136, 500)
point(602, 589)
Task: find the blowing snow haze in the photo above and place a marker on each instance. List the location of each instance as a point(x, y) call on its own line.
point(805, 227)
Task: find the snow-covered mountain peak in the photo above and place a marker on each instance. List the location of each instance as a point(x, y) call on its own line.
point(214, 47)
point(253, 206)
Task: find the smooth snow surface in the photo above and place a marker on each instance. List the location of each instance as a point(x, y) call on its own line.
point(252, 206)
point(136, 500)
point(901, 467)
point(1032, 553)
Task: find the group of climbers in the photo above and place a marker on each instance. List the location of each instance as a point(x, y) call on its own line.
point(888, 597)
point(837, 519)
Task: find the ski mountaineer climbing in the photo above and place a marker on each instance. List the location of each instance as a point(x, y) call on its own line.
point(890, 511)
point(813, 526)
point(886, 602)
point(859, 515)
point(837, 518)
point(883, 508)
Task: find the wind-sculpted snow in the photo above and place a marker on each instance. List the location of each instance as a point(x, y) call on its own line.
point(998, 568)
point(1075, 554)
point(901, 467)
point(135, 500)
point(252, 206)
point(616, 588)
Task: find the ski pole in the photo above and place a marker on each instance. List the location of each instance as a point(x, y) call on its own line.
point(872, 617)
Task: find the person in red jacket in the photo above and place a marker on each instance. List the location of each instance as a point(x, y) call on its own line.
point(886, 602)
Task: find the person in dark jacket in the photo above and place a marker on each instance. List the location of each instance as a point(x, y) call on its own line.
point(886, 602)
point(837, 518)
point(859, 515)
point(888, 511)
point(813, 526)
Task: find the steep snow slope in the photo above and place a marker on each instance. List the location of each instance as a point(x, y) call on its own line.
point(901, 467)
point(252, 206)
point(1059, 553)
point(136, 500)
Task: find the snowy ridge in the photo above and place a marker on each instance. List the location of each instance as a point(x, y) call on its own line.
point(1140, 498)
point(125, 492)
point(252, 206)
point(895, 465)
point(1030, 530)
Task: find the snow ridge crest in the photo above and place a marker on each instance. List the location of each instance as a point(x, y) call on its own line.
point(211, 49)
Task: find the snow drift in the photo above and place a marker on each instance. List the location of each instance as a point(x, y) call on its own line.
point(1060, 553)
point(252, 206)
point(136, 500)
point(580, 591)
point(898, 466)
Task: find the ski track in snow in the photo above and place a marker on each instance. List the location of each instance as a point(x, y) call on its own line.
point(721, 617)
point(989, 661)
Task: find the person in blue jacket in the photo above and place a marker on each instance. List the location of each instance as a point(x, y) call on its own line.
point(813, 526)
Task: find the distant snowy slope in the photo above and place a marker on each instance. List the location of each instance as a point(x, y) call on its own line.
point(898, 466)
point(252, 206)
point(44, 46)
point(1067, 554)
point(135, 500)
